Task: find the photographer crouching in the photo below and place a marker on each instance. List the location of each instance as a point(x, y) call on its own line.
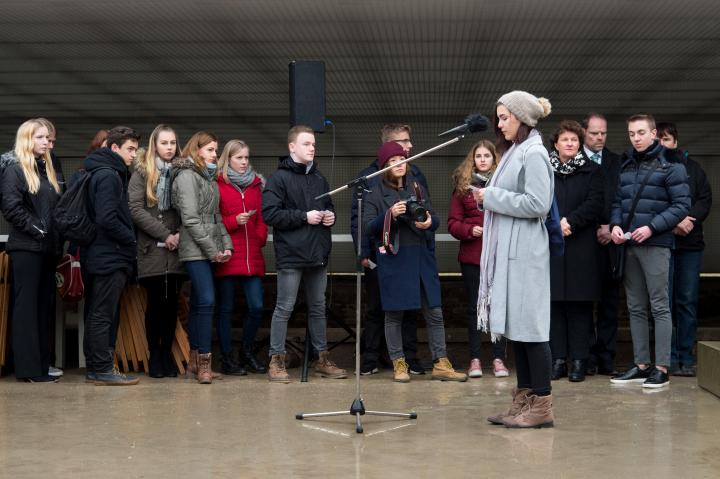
point(396, 215)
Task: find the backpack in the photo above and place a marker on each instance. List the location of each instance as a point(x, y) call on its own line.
point(71, 216)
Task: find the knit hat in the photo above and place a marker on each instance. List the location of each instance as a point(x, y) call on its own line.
point(388, 150)
point(526, 106)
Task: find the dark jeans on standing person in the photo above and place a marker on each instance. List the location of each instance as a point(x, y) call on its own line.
point(253, 289)
point(684, 287)
point(161, 312)
point(603, 335)
point(33, 311)
point(471, 279)
point(570, 323)
point(533, 365)
point(103, 315)
point(202, 305)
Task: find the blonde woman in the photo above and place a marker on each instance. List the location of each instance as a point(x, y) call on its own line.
point(30, 191)
point(157, 226)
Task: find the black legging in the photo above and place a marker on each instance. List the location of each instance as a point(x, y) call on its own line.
point(533, 364)
point(161, 313)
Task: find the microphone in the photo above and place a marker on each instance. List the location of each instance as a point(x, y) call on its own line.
point(475, 122)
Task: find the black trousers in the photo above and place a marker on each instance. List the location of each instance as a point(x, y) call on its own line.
point(570, 323)
point(471, 279)
point(373, 335)
point(161, 311)
point(533, 365)
point(33, 311)
point(102, 317)
point(603, 335)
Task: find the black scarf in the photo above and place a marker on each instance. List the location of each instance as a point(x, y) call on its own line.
point(569, 167)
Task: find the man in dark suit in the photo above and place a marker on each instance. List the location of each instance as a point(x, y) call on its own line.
point(604, 335)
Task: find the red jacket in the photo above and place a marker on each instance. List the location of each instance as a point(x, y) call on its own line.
point(249, 239)
point(462, 216)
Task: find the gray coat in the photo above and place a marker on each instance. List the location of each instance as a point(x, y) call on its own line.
point(197, 199)
point(521, 200)
point(152, 227)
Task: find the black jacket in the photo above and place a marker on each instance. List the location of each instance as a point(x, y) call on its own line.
point(701, 201)
point(576, 276)
point(114, 247)
point(610, 168)
point(288, 195)
point(29, 215)
point(664, 202)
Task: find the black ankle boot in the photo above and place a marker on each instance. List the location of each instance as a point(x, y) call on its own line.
point(168, 363)
point(248, 359)
point(559, 369)
point(230, 365)
point(155, 369)
point(578, 371)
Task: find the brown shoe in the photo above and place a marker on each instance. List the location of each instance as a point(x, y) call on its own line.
point(401, 368)
point(204, 374)
point(276, 370)
point(518, 401)
point(443, 371)
point(537, 412)
point(326, 368)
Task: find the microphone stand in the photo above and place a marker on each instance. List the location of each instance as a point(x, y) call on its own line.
point(357, 408)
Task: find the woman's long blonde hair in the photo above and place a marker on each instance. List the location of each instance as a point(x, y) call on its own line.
point(26, 157)
point(462, 177)
point(145, 163)
point(231, 148)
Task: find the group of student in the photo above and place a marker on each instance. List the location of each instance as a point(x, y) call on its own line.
point(198, 213)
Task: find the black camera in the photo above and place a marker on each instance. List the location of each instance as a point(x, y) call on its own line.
point(480, 180)
point(415, 205)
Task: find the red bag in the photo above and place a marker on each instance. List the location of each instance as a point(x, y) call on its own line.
point(68, 278)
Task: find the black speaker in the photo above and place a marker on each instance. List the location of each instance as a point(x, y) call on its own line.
point(307, 94)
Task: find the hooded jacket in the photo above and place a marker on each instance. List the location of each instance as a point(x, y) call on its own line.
point(114, 247)
point(289, 194)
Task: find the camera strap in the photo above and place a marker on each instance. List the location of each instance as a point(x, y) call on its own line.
point(389, 234)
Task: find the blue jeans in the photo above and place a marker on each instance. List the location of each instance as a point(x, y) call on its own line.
point(684, 285)
point(253, 288)
point(202, 304)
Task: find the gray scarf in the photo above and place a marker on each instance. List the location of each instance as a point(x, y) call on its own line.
point(163, 189)
point(241, 180)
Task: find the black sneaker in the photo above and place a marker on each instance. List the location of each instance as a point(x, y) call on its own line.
point(368, 369)
point(415, 368)
point(632, 375)
point(656, 379)
point(40, 379)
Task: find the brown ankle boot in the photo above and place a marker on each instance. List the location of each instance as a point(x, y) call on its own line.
point(443, 371)
point(537, 412)
point(276, 370)
point(204, 374)
point(400, 373)
point(326, 368)
point(518, 401)
point(191, 371)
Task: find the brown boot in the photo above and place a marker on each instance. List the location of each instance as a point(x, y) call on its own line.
point(204, 374)
point(276, 370)
point(400, 374)
point(443, 371)
point(537, 412)
point(326, 368)
point(518, 401)
point(191, 371)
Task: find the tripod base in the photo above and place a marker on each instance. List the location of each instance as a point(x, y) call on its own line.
point(357, 409)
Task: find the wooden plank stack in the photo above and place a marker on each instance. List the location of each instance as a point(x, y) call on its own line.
point(4, 305)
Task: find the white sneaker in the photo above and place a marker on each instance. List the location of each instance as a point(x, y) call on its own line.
point(55, 372)
point(475, 370)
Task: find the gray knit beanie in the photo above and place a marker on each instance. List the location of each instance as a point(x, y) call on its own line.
point(526, 106)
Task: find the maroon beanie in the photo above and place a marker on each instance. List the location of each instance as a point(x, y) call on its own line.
point(388, 150)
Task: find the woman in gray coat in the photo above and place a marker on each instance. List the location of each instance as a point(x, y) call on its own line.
point(514, 295)
point(157, 226)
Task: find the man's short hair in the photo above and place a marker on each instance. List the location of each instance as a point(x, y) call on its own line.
point(296, 130)
point(642, 117)
point(584, 123)
point(120, 134)
point(667, 128)
point(387, 130)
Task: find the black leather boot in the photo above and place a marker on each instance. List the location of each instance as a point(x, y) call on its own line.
point(168, 362)
point(577, 374)
point(248, 359)
point(230, 365)
point(155, 369)
point(559, 369)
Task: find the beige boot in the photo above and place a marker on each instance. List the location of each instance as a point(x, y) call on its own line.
point(204, 374)
point(518, 400)
point(443, 371)
point(276, 370)
point(401, 371)
point(537, 412)
point(191, 370)
point(326, 368)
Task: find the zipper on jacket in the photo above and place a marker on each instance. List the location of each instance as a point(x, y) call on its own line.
point(247, 239)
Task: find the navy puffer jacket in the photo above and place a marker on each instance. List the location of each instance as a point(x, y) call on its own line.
point(664, 202)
